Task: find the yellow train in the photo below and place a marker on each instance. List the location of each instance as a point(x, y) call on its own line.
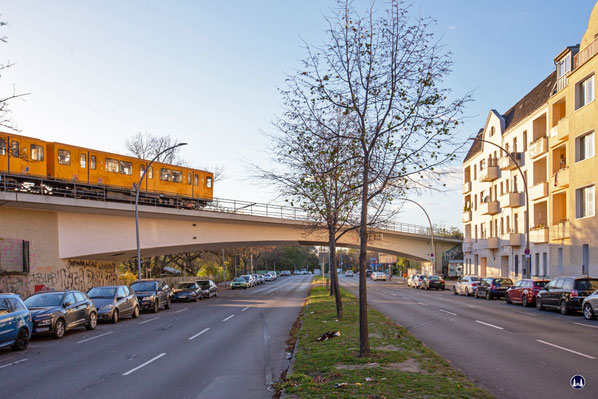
point(33, 165)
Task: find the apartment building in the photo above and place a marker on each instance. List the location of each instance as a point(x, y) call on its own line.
point(550, 135)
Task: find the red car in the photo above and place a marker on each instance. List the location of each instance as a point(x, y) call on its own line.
point(524, 291)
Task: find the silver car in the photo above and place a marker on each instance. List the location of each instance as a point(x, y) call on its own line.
point(414, 280)
point(466, 285)
point(590, 306)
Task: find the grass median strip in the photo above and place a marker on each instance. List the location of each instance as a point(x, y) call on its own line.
point(399, 366)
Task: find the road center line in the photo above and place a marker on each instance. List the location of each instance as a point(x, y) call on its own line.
point(565, 349)
point(245, 308)
point(446, 311)
point(489, 325)
point(144, 364)
point(147, 321)
point(218, 300)
point(423, 304)
point(393, 294)
point(97, 336)
point(585, 325)
point(182, 310)
point(229, 317)
point(13, 363)
point(198, 334)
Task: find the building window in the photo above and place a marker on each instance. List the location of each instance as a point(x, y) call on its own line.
point(492, 131)
point(584, 92)
point(585, 259)
point(545, 264)
point(92, 162)
point(126, 168)
point(584, 147)
point(111, 165)
point(584, 198)
point(524, 141)
point(516, 265)
point(177, 176)
point(165, 174)
point(83, 160)
point(2, 146)
point(537, 273)
point(475, 172)
point(64, 157)
point(209, 182)
point(560, 260)
point(564, 66)
point(37, 152)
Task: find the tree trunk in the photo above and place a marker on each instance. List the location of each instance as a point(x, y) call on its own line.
point(364, 339)
point(334, 277)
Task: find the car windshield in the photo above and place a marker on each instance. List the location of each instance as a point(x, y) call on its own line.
point(503, 281)
point(539, 283)
point(144, 286)
point(44, 300)
point(246, 278)
point(185, 286)
point(239, 280)
point(204, 284)
point(433, 278)
point(102, 292)
point(587, 285)
point(475, 279)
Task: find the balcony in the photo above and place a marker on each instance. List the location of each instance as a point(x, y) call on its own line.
point(507, 163)
point(493, 242)
point(538, 147)
point(560, 132)
point(467, 246)
point(539, 236)
point(584, 55)
point(466, 216)
point(538, 191)
point(491, 173)
point(511, 200)
point(560, 179)
point(466, 187)
point(515, 239)
point(490, 208)
point(560, 230)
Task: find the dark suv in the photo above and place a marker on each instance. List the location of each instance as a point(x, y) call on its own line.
point(54, 312)
point(493, 287)
point(152, 294)
point(566, 293)
point(208, 287)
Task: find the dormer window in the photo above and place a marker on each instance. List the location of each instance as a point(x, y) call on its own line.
point(563, 67)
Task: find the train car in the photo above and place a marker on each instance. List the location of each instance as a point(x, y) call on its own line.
point(22, 155)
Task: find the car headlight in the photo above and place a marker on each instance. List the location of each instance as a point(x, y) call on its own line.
point(44, 322)
point(149, 298)
point(106, 308)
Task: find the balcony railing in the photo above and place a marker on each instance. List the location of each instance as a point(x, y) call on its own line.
point(491, 173)
point(507, 163)
point(560, 132)
point(559, 231)
point(493, 243)
point(511, 200)
point(490, 208)
point(467, 246)
point(515, 239)
point(539, 236)
point(584, 55)
point(538, 147)
point(538, 191)
point(560, 179)
point(466, 216)
point(561, 83)
point(466, 187)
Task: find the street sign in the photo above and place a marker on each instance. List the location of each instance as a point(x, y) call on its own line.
point(528, 256)
point(526, 252)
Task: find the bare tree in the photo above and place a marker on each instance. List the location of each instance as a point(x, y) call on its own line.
point(5, 100)
point(384, 71)
point(147, 146)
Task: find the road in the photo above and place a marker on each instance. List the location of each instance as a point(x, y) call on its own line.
point(225, 347)
point(512, 351)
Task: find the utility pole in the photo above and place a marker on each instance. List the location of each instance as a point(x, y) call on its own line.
point(223, 269)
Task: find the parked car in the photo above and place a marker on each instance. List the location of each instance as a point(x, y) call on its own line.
point(566, 293)
point(466, 285)
point(590, 306)
point(16, 326)
point(368, 273)
point(297, 272)
point(55, 312)
point(435, 282)
point(493, 287)
point(268, 277)
point(260, 278)
point(187, 291)
point(208, 287)
point(524, 291)
point(248, 279)
point(285, 273)
point(275, 275)
point(378, 276)
point(411, 281)
point(152, 294)
point(349, 273)
point(317, 272)
point(114, 302)
point(239, 282)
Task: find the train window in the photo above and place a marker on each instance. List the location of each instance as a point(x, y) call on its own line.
point(126, 168)
point(196, 180)
point(209, 182)
point(83, 160)
point(92, 162)
point(14, 149)
point(164, 174)
point(150, 172)
point(177, 176)
point(189, 178)
point(37, 152)
point(141, 169)
point(111, 165)
point(2, 147)
point(64, 157)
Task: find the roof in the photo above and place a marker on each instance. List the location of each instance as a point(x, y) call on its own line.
point(533, 100)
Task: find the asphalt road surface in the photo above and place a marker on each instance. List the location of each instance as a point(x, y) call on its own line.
point(230, 346)
point(512, 351)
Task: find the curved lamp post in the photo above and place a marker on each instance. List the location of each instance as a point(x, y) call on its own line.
point(527, 270)
point(137, 187)
point(431, 229)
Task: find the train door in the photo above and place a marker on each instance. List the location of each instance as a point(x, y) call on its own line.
point(92, 167)
point(3, 153)
point(83, 171)
point(13, 155)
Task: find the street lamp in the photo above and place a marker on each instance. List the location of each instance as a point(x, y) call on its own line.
point(137, 187)
point(527, 270)
point(431, 230)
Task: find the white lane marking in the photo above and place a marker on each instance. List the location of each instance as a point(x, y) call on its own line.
point(217, 300)
point(271, 294)
point(489, 325)
point(198, 334)
point(229, 317)
point(144, 364)
point(147, 321)
point(446, 311)
point(565, 349)
point(525, 313)
point(182, 310)
point(97, 336)
point(423, 304)
point(13, 363)
point(393, 294)
point(585, 325)
point(245, 308)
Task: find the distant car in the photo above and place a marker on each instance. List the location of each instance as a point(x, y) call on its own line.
point(208, 287)
point(187, 291)
point(239, 282)
point(275, 275)
point(566, 293)
point(285, 273)
point(114, 302)
point(152, 294)
point(268, 277)
point(317, 272)
point(524, 291)
point(492, 287)
point(249, 279)
point(16, 326)
point(261, 278)
point(411, 280)
point(466, 285)
point(435, 282)
point(349, 273)
point(55, 312)
point(297, 272)
point(590, 306)
point(368, 273)
point(378, 276)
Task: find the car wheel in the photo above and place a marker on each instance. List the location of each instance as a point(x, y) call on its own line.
point(454, 290)
point(215, 293)
point(197, 298)
point(507, 299)
point(539, 305)
point(22, 340)
point(466, 292)
point(563, 308)
point(59, 329)
point(488, 295)
point(475, 294)
point(136, 312)
point(114, 316)
point(93, 321)
point(524, 302)
point(167, 306)
point(588, 313)
point(156, 306)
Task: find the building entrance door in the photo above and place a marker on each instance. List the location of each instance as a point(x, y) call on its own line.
point(483, 267)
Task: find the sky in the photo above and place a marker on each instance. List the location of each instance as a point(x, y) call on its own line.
point(208, 72)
